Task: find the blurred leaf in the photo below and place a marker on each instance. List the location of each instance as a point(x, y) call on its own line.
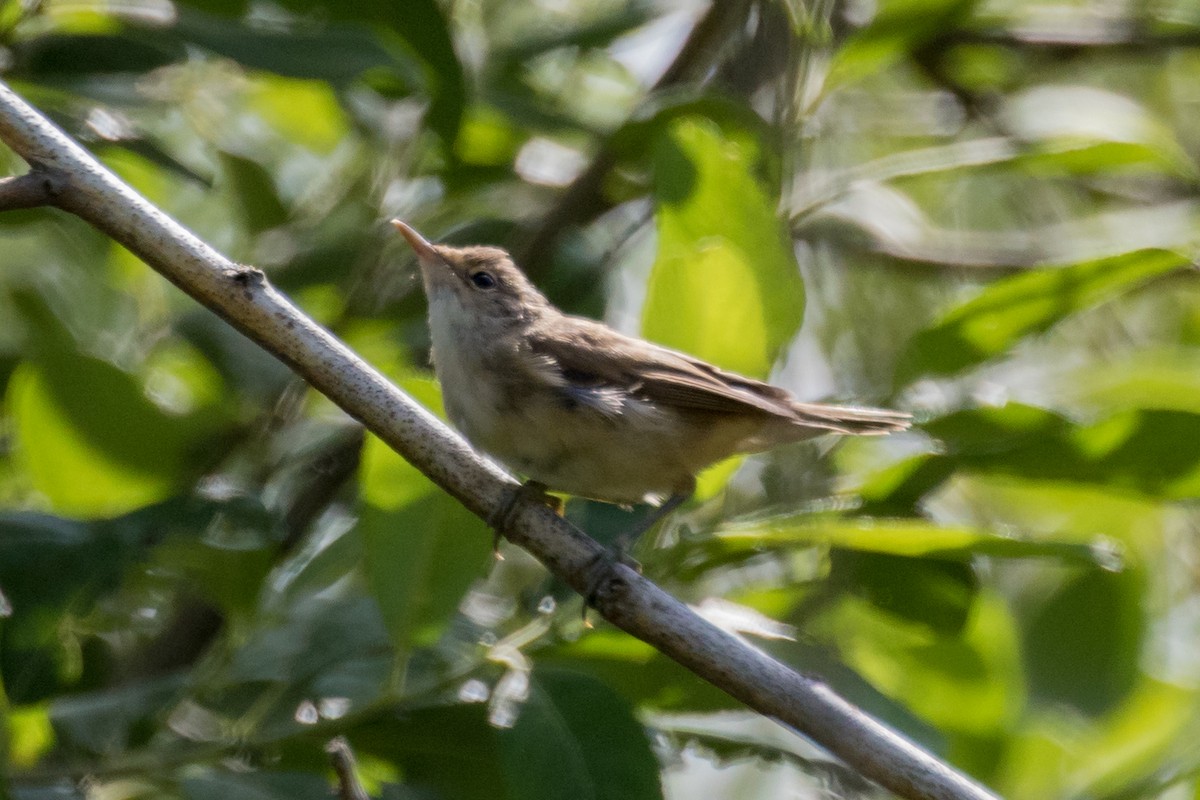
point(576, 739)
point(245, 367)
point(1166, 379)
point(325, 647)
point(1151, 726)
point(450, 749)
point(899, 28)
point(908, 163)
point(642, 674)
point(254, 192)
point(969, 684)
point(220, 785)
point(92, 442)
point(51, 567)
point(910, 538)
point(30, 734)
point(420, 559)
point(640, 135)
point(337, 54)
point(1130, 452)
point(1115, 130)
point(306, 112)
point(1029, 303)
point(939, 594)
point(111, 721)
point(423, 30)
point(52, 56)
point(592, 33)
point(1090, 626)
point(724, 262)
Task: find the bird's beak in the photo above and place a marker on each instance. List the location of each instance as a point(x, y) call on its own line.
point(420, 245)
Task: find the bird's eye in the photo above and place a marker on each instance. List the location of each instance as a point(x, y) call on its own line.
point(483, 279)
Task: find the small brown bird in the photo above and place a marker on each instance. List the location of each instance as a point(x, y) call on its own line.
point(580, 409)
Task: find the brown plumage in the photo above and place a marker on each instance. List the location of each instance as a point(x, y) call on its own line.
point(585, 410)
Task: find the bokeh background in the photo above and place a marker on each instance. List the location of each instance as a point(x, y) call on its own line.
point(981, 211)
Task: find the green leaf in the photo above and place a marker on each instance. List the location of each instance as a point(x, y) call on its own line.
point(52, 569)
point(935, 593)
point(637, 137)
point(645, 676)
point(1166, 379)
point(970, 683)
point(911, 538)
point(1133, 452)
point(1092, 626)
point(254, 192)
point(423, 30)
point(420, 559)
point(992, 322)
point(452, 749)
point(898, 29)
point(725, 284)
point(107, 722)
point(58, 55)
point(92, 440)
point(576, 739)
point(337, 54)
point(1087, 129)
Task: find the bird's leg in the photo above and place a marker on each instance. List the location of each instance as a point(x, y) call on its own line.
point(624, 543)
point(501, 519)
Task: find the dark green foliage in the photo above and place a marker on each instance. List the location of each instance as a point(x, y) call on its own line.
point(981, 213)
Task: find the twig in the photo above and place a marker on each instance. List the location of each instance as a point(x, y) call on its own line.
point(38, 187)
point(243, 296)
point(349, 786)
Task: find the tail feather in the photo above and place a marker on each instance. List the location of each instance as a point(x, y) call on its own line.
point(850, 419)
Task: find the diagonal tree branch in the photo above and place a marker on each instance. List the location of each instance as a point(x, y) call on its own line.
point(243, 296)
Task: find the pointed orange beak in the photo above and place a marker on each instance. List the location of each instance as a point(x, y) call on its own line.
point(417, 242)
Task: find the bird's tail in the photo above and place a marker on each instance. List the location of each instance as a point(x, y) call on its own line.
point(851, 420)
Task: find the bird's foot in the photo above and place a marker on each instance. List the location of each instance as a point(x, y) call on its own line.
point(501, 519)
point(601, 572)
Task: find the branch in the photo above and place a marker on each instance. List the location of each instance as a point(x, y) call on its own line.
point(38, 187)
point(243, 296)
point(349, 786)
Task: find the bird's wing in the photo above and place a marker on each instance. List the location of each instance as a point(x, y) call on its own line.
point(591, 357)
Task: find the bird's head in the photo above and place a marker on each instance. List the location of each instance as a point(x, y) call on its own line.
point(483, 280)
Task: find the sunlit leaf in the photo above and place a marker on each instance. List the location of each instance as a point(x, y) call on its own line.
point(30, 734)
point(991, 323)
point(1129, 452)
point(899, 27)
point(1165, 379)
point(725, 284)
point(970, 683)
point(911, 538)
point(1150, 725)
point(1089, 129)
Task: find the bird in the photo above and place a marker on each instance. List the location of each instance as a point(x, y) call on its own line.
point(580, 409)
